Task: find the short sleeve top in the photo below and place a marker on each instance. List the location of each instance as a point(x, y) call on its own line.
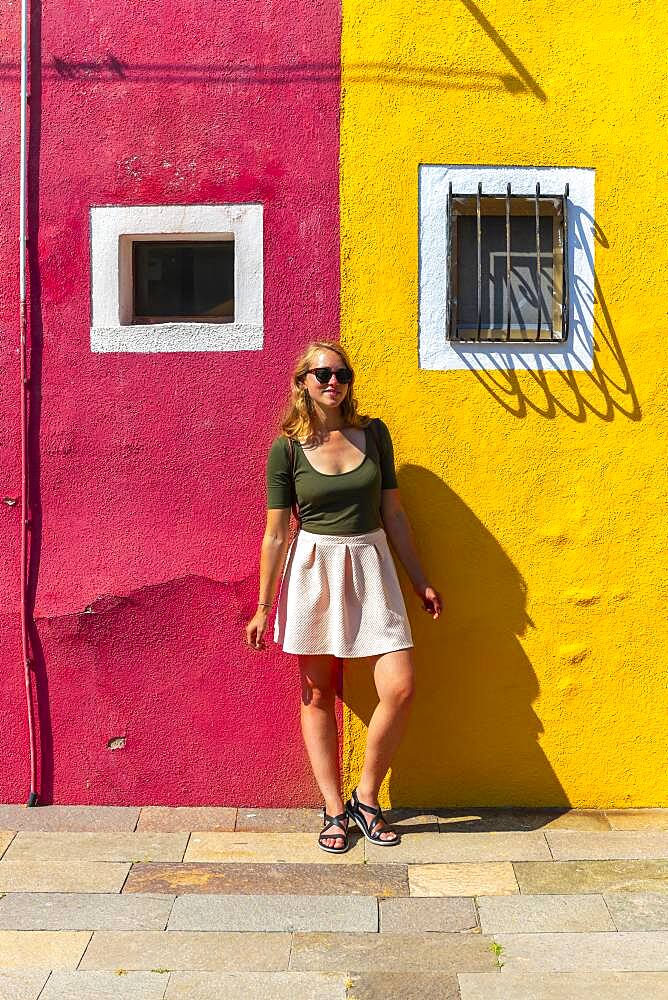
point(345, 503)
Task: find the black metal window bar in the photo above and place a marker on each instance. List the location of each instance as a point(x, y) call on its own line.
point(502, 204)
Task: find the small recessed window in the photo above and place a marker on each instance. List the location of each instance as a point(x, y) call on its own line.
point(506, 267)
point(188, 281)
point(177, 278)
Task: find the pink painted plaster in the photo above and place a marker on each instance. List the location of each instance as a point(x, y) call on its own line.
point(148, 470)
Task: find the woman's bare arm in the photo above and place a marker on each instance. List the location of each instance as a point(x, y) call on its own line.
point(272, 557)
point(272, 553)
point(400, 534)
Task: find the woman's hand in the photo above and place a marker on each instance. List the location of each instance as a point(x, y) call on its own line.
point(256, 628)
point(431, 600)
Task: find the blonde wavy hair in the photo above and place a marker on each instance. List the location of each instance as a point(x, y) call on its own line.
point(298, 418)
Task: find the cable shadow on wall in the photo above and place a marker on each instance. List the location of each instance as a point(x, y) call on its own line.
point(473, 736)
point(112, 69)
point(523, 74)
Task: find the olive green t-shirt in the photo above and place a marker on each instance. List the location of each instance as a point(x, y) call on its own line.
point(345, 503)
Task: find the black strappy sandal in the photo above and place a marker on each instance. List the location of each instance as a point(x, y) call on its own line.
point(334, 821)
point(354, 809)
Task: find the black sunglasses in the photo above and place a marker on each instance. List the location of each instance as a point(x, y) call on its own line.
point(323, 375)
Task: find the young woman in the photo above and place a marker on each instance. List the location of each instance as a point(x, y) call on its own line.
point(339, 593)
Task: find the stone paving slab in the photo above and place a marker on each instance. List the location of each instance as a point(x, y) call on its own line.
point(541, 914)
point(314, 880)
point(638, 819)
point(61, 911)
point(267, 848)
point(461, 879)
point(391, 952)
point(183, 819)
point(62, 818)
point(615, 845)
point(22, 985)
point(277, 820)
point(274, 913)
point(42, 949)
point(6, 837)
point(105, 986)
point(196, 951)
point(254, 985)
point(507, 820)
point(28, 846)
point(310, 820)
point(417, 915)
point(638, 911)
point(591, 876)
point(72, 876)
point(565, 986)
point(618, 951)
point(403, 986)
point(413, 821)
point(463, 847)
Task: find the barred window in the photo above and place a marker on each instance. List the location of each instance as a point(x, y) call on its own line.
point(507, 267)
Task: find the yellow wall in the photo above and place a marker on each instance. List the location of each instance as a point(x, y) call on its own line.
point(538, 500)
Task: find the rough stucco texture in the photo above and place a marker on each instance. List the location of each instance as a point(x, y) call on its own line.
point(538, 499)
point(149, 487)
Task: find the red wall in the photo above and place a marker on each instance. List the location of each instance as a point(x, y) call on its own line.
point(148, 470)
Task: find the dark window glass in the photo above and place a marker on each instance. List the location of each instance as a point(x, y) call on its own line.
point(523, 272)
point(183, 281)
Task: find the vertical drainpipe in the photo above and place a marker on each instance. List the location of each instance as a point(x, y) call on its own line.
point(32, 798)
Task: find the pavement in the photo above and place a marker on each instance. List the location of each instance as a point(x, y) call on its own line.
point(212, 903)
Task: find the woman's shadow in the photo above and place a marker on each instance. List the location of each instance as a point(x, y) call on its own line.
point(473, 737)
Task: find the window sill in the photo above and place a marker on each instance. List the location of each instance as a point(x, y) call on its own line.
point(154, 338)
point(517, 338)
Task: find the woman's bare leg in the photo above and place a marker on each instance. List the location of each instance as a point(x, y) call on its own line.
point(318, 721)
point(394, 676)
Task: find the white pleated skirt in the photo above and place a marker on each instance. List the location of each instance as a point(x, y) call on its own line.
point(340, 594)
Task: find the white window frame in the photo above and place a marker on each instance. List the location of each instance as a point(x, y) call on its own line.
point(436, 352)
point(112, 231)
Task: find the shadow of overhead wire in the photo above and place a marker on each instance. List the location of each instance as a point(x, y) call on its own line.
point(112, 69)
point(523, 73)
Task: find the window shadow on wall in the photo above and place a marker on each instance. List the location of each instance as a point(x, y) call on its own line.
point(605, 391)
point(474, 736)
